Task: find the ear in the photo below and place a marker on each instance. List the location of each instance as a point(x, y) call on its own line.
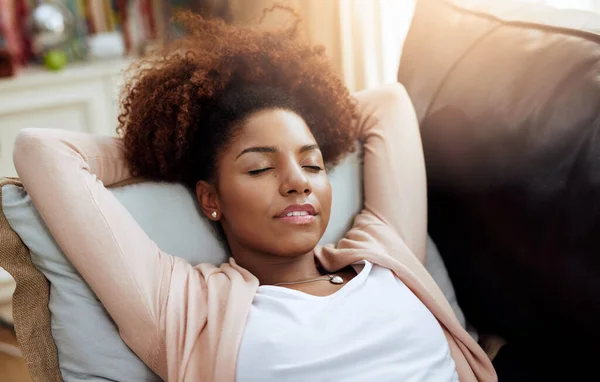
point(208, 199)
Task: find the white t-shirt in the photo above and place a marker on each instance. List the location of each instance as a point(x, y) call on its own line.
point(372, 329)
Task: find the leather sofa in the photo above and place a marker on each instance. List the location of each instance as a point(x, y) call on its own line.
point(508, 98)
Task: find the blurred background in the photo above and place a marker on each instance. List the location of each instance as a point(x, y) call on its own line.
point(57, 33)
point(61, 61)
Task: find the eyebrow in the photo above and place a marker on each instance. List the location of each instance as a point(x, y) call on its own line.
point(273, 149)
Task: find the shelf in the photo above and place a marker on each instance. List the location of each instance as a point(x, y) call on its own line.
point(34, 75)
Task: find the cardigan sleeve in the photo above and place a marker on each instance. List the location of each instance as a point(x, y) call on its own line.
point(65, 174)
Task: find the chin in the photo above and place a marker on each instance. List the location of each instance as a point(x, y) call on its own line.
point(297, 244)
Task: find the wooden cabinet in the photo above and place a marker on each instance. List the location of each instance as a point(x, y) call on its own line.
point(83, 97)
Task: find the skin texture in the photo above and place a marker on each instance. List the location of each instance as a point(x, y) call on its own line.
point(285, 168)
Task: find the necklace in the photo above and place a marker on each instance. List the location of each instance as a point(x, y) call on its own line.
point(332, 279)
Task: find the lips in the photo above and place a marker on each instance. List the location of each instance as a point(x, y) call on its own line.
point(298, 214)
point(298, 210)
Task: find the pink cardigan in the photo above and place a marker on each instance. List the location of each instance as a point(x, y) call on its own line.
point(186, 322)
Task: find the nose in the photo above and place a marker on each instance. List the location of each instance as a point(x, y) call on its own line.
point(294, 181)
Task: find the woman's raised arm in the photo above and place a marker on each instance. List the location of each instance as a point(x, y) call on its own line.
point(394, 168)
point(65, 173)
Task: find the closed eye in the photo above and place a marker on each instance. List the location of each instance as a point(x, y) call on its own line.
point(259, 171)
point(313, 168)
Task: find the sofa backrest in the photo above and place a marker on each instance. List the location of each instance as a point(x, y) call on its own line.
point(508, 97)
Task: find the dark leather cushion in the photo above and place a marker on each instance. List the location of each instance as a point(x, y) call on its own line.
point(508, 97)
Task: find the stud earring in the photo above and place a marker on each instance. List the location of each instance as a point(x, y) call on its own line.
point(214, 214)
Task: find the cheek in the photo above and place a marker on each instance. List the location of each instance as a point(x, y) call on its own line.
point(245, 204)
point(242, 198)
point(321, 188)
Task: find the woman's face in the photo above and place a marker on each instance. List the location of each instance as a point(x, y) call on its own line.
point(274, 195)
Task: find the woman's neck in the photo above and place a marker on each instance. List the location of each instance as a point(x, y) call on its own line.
point(273, 269)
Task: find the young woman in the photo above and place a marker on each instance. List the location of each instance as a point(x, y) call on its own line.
point(251, 120)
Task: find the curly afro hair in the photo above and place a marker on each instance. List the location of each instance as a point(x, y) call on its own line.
point(182, 103)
